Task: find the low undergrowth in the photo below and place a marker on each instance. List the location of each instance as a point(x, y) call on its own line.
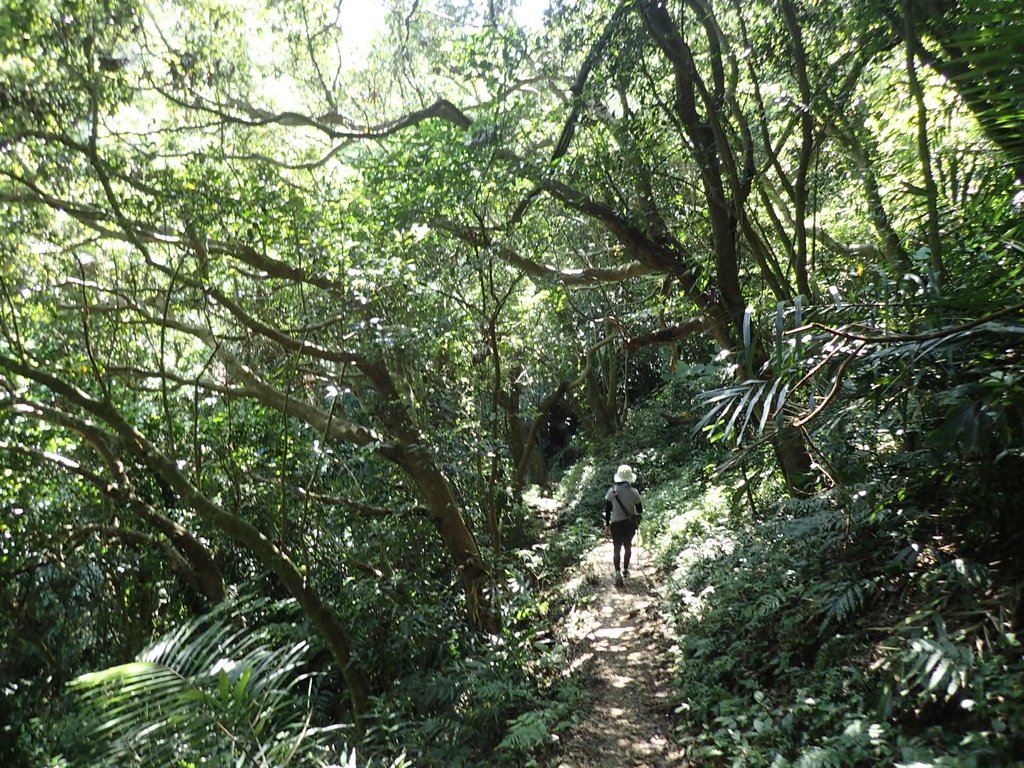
point(873, 625)
point(239, 683)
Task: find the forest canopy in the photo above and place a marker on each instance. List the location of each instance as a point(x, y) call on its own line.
point(294, 313)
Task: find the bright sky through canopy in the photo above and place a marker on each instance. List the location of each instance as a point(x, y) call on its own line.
point(530, 13)
point(362, 20)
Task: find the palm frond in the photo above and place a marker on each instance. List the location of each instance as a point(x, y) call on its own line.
point(217, 690)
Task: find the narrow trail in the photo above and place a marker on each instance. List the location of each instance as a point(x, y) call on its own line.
point(618, 647)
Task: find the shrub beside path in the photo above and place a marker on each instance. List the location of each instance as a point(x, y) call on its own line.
point(618, 648)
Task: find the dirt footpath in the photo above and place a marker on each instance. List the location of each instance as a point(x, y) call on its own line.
point(619, 649)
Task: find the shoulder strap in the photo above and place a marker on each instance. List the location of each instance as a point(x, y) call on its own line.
point(623, 506)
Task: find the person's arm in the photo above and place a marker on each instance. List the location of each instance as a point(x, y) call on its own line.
point(607, 513)
point(638, 511)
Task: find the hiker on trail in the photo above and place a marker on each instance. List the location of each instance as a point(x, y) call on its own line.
point(622, 511)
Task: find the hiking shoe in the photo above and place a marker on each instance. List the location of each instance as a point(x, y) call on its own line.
point(625, 573)
point(618, 579)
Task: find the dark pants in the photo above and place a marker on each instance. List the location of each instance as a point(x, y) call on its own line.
point(622, 541)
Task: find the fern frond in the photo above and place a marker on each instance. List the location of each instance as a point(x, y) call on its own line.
point(214, 690)
point(849, 600)
point(935, 666)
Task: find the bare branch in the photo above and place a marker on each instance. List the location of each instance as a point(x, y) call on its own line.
point(575, 277)
point(327, 123)
point(669, 335)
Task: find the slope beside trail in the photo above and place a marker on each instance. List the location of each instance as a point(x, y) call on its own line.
point(618, 648)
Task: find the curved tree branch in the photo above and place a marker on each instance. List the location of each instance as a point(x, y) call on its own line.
point(575, 277)
point(669, 335)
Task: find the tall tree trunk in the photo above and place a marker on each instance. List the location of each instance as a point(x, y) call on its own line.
point(703, 139)
point(716, 162)
point(987, 83)
point(891, 245)
point(800, 187)
point(794, 460)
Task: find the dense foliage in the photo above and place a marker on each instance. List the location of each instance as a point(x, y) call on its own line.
point(876, 623)
point(293, 313)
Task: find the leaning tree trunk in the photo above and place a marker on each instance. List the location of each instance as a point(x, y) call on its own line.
point(270, 555)
point(454, 532)
point(409, 452)
point(405, 449)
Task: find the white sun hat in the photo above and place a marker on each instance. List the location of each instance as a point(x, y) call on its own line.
point(625, 474)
